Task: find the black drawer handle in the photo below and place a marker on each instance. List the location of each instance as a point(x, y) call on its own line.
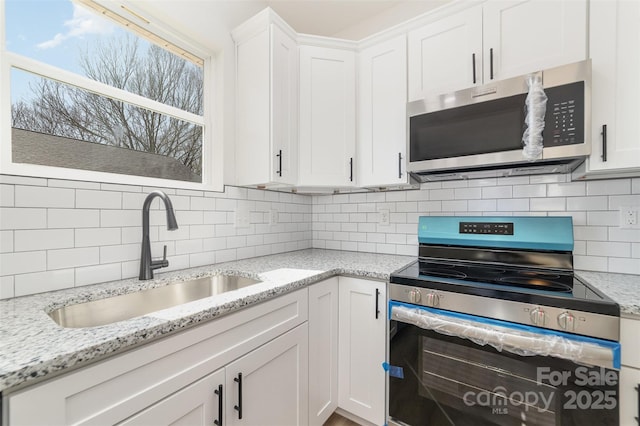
point(377, 303)
point(604, 143)
point(238, 407)
point(473, 65)
point(399, 165)
point(219, 393)
point(637, 388)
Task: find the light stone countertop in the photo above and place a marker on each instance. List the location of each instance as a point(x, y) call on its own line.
point(33, 347)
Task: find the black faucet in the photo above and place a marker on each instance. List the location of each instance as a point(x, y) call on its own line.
point(146, 264)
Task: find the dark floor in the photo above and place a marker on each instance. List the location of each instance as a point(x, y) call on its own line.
point(338, 420)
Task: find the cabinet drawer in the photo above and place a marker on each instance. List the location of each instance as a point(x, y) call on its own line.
point(112, 390)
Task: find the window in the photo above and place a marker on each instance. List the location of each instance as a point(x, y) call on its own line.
point(102, 99)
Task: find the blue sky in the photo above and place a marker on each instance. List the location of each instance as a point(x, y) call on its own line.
point(51, 31)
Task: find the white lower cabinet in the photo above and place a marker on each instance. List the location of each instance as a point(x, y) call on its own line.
point(323, 350)
point(630, 372)
point(197, 404)
point(362, 348)
point(268, 386)
point(180, 374)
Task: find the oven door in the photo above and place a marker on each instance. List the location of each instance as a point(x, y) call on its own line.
point(446, 379)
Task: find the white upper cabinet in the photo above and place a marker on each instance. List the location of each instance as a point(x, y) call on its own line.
point(532, 35)
point(446, 55)
point(327, 116)
point(266, 103)
point(382, 120)
point(494, 41)
point(615, 59)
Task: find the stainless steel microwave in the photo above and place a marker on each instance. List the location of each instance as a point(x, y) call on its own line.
point(477, 132)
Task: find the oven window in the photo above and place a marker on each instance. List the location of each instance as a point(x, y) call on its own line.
point(447, 380)
point(491, 126)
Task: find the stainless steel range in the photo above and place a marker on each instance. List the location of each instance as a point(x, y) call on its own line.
point(490, 326)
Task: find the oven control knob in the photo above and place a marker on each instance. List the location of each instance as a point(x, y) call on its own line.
point(566, 321)
point(433, 299)
point(538, 316)
point(414, 296)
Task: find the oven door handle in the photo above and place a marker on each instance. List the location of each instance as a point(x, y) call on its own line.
point(515, 338)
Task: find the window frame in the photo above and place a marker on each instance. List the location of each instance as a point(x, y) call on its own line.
point(212, 153)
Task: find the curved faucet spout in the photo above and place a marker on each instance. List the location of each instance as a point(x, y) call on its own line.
point(146, 264)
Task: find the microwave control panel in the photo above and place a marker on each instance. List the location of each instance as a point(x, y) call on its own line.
point(564, 120)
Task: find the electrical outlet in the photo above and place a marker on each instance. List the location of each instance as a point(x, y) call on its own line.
point(242, 218)
point(629, 216)
point(273, 217)
point(384, 217)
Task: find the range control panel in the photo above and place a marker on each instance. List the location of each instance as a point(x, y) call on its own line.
point(502, 228)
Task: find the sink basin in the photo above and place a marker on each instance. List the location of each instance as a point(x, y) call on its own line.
point(126, 306)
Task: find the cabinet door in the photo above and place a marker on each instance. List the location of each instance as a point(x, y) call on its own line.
point(382, 102)
point(327, 116)
point(197, 404)
point(629, 408)
point(615, 58)
point(284, 107)
point(442, 54)
point(362, 348)
point(323, 350)
point(274, 381)
point(531, 35)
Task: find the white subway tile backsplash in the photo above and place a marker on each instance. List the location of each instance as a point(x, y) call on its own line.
point(130, 188)
point(454, 206)
point(605, 248)
point(70, 258)
point(98, 274)
point(572, 189)
point(513, 204)
point(497, 192)
point(590, 233)
point(123, 253)
point(86, 199)
point(7, 195)
point(191, 246)
point(616, 201)
point(548, 204)
point(76, 184)
point(22, 180)
point(43, 281)
point(591, 263)
point(624, 266)
point(620, 234)
point(43, 239)
point(425, 207)
point(43, 196)
point(120, 218)
point(441, 194)
point(482, 205)
point(609, 187)
point(606, 218)
point(530, 191)
point(587, 203)
point(635, 186)
point(73, 218)
point(23, 262)
point(6, 287)
point(467, 193)
point(6, 241)
point(22, 218)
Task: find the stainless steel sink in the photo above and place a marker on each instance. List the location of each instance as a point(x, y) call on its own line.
point(126, 306)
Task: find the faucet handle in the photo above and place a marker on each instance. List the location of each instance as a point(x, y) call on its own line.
point(164, 261)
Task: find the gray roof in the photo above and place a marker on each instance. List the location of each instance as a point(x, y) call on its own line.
point(39, 148)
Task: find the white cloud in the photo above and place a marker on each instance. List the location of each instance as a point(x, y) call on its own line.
point(82, 23)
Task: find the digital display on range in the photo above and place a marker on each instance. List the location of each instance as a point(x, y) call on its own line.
point(502, 228)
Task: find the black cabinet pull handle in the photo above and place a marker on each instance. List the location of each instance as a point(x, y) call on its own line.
point(279, 155)
point(604, 143)
point(491, 63)
point(399, 165)
point(219, 393)
point(473, 65)
point(637, 388)
point(239, 406)
point(351, 169)
point(377, 304)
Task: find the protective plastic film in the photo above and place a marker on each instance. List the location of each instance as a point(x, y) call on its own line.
point(536, 107)
point(522, 340)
